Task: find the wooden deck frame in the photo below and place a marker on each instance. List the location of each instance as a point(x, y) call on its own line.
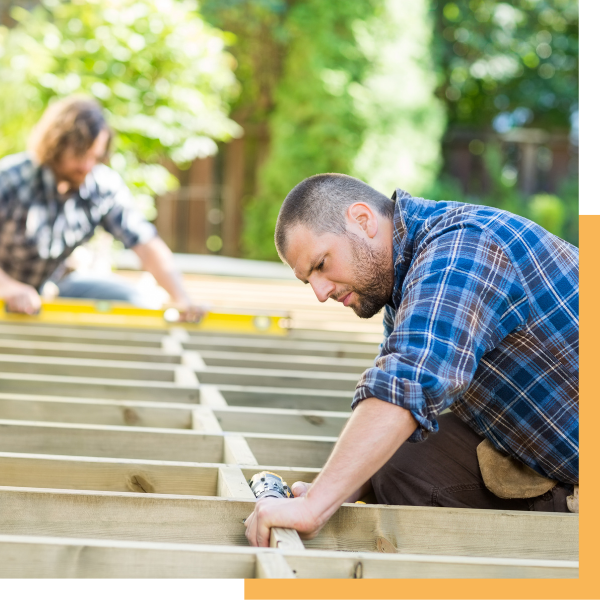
point(144, 505)
point(356, 528)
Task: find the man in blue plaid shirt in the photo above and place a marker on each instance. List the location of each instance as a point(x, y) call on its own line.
point(54, 196)
point(481, 317)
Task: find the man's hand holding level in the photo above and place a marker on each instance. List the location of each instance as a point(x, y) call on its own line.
point(19, 297)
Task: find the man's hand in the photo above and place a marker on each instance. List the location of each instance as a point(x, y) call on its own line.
point(373, 433)
point(191, 313)
point(292, 513)
point(21, 297)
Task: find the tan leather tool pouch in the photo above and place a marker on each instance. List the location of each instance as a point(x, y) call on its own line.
point(508, 478)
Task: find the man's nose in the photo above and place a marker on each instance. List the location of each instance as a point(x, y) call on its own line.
point(322, 289)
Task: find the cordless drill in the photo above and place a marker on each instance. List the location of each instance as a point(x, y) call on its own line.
point(269, 485)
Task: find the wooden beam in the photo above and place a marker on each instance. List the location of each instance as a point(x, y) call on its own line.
point(90, 387)
point(52, 557)
point(211, 396)
point(189, 519)
point(249, 344)
point(233, 484)
point(185, 377)
point(86, 367)
point(179, 374)
point(127, 475)
point(203, 419)
point(88, 350)
point(284, 361)
point(296, 451)
point(237, 451)
point(162, 444)
point(278, 378)
point(110, 441)
point(81, 334)
point(34, 407)
point(285, 539)
point(293, 398)
point(273, 566)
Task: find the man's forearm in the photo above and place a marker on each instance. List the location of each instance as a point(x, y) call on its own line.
point(157, 259)
point(374, 432)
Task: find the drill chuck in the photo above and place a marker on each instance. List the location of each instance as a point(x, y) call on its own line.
point(269, 485)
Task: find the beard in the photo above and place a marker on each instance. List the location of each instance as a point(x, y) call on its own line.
point(373, 275)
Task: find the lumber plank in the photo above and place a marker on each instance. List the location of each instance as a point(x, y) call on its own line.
point(34, 407)
point(284, 421)
point(285, 361)
point(185, 377)
point(87, 350)
point(86, 367)
point(203, 419)
point(273, 566)
point(180, 374)
point(125, 475)
point(346, 565)
point(263, 345)
point(90, 387)
point(93, 411)
point(110, 441)
point(48, 558)
point(294, 451)
point(238, 452)
point(211, 396)
point(115, 441)
point(285, 539)
point(233, 484)
point(278, 378)
point(171, 346)
point(193, 519)
point(57, 557)
point(293, 398)
point(77, 334)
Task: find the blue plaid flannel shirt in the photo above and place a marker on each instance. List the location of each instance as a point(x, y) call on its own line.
point(483, 320)
point(39, 230)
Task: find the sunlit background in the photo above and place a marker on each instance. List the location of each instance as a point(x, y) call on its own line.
point(222, 107)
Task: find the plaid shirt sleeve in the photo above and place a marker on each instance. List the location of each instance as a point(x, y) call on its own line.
point(460, 298)
point(122, 220)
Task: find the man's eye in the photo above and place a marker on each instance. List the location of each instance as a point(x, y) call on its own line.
point(320, 265)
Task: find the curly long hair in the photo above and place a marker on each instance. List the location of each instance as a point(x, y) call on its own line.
point(73, 122)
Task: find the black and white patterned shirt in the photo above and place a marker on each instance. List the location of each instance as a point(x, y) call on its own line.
point(39, 229)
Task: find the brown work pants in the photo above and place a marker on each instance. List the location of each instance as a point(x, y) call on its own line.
point(444, 471)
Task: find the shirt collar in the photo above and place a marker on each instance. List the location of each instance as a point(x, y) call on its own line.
point(49, 181)
point(410, 215)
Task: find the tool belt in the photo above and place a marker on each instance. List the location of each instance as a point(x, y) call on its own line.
point(507, 478)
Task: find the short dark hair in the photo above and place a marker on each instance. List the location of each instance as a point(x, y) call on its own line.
point(73, 122)
point(320, 202)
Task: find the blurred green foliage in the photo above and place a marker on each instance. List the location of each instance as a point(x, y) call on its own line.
point(515, 63)
point(159, 70)
point(558, 213)
point(339, 84)
point(508, 65)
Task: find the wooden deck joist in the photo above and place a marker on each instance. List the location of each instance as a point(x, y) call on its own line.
point(157, 444)
point(55, 557)
point(148, 372)
point(356, 528)
point(32, 407)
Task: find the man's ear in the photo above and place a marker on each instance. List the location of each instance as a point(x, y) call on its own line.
point(363, 217)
